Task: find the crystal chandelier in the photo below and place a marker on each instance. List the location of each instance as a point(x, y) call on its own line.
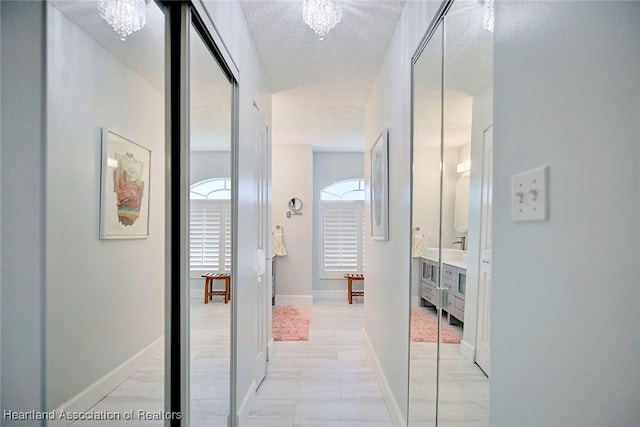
point(321, 15)
point(125, 16)
point(487, 15)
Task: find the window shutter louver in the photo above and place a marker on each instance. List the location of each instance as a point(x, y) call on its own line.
point(209, 235)
point(227, 240)
point(342, 238)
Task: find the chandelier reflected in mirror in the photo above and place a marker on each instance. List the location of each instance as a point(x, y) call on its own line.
point(125, 16)
point(321, 15)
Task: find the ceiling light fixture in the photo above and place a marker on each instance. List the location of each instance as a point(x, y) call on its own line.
point(321, 15)
point(125, 16)
point(487, 15)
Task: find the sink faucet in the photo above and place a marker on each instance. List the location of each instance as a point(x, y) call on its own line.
point(462, 242)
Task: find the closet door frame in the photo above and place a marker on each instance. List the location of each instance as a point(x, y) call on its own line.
point(438, 22)
point(180, 17)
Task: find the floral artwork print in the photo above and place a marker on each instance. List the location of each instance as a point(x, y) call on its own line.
point(128, 184)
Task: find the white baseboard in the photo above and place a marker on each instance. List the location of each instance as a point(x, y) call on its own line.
point(294, 300)
point(415, 301)
point(397, 418)
point(468, 351)
point(332, 295)
point(247, 404)
point(87, 398)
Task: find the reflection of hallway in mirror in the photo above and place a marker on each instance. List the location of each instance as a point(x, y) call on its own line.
point(327, 381)
point(210, 347)
point(210, 361)
point(464, 388)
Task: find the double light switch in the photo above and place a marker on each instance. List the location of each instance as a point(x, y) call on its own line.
point(529, 195)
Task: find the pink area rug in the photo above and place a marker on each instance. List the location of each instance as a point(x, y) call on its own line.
point(424, 328)
point(291, 323)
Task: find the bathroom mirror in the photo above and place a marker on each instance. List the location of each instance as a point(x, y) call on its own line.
point(295, 204)
point(446, 283)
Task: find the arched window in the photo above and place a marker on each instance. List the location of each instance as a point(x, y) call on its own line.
point(350, 189)
point(211, 189)
point(210, 226)
point(342, 228)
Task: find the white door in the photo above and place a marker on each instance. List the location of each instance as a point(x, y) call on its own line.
point(483, 344)
point(263, 253)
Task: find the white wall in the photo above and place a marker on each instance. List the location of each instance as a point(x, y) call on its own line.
point(387, 300)
point(426, 193)
point(449, 180)
point(329, 168)
point(209, 164)
point(96, 289)
point(565, 318)
point(232, 27)
point(23, 185)
point(293, 177)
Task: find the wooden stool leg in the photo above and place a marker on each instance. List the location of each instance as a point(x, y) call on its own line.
point(227, 290)
point(349, 290)
point(206, 290)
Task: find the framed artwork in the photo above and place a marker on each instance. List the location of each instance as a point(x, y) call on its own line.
point(124, 190)
point(380, 187)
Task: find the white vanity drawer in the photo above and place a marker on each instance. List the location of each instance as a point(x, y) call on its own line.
point(449, 283)
point(449, 272)
point(429, 290)
point(458, 314)
point(429, 293)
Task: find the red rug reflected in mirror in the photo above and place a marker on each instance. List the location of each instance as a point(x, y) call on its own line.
point(291, 322)
point(424, 328)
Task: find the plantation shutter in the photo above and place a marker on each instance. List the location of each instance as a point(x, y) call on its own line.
point(342, 238)
point(227, 237)
point(210, 235)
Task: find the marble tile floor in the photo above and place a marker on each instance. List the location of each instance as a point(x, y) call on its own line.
point(327, 381)
point(464, 388)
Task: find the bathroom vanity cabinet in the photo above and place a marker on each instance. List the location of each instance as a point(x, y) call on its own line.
point(454, 278)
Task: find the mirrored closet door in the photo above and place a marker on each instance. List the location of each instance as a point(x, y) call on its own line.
point(451, 273)
point(426, 178)
point(210, 235)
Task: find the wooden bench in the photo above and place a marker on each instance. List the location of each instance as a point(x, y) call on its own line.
point(350, 292)
point(209, 292)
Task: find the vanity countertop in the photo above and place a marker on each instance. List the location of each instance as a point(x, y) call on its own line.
point(459, 264)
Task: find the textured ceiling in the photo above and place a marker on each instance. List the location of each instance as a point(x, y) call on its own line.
point(320, 87)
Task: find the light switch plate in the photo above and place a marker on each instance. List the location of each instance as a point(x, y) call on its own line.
point(529, 195)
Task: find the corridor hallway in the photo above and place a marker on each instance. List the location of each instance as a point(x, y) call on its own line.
point(328, 381)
